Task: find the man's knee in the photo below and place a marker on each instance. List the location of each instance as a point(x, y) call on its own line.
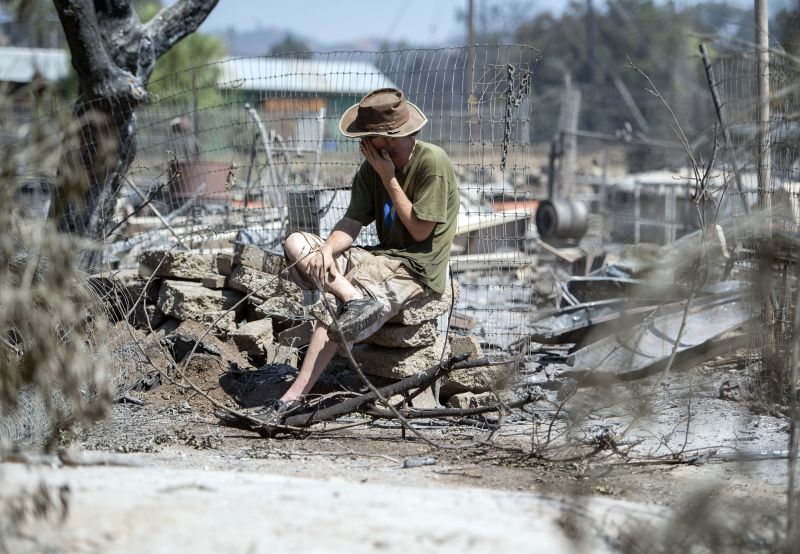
point(296, 247)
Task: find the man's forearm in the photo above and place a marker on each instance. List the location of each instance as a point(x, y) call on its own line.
point(343, 235)
point(419, 228)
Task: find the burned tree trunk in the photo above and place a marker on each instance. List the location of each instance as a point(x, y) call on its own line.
point(113, 53)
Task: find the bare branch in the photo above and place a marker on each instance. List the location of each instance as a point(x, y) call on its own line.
point(174, 22)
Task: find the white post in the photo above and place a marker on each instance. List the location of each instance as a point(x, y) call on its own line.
point(764, 160)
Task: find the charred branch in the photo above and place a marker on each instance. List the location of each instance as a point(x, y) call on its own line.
point(415, 413)
point(420, 380)
point(175, 22)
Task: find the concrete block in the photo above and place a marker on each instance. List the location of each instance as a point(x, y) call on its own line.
point(280, 306)
point(223, 262)
point(430, 307)
point(263, 285)
point(175, 264)
point(192, 335)
point(392, 335)
point(399, 363)
point(147, 316)
point(248, 255)
point(253, 337)
point(256, 258)
point(466, 400)
point(422, 401)
point(273, 263)
point(214, 281)
point(478, 379)
point(183, 300)
point(465, 344)
point(224, 322)
point(279, 354)
point(297, 336)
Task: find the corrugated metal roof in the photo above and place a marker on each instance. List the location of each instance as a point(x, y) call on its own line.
point(294, 75)
point(19, 65)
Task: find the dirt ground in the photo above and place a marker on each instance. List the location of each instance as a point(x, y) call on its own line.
point(484, 480)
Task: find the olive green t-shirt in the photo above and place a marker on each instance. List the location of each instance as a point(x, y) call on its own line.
point(430, 184)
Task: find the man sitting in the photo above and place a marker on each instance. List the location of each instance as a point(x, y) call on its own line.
point(408, 188)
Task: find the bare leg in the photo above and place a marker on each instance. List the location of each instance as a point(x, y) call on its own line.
point(299, 250)
point(321, 349)
point(320, 352)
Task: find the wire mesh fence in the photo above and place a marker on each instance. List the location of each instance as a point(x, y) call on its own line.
point(769, 255)
point(248, 149)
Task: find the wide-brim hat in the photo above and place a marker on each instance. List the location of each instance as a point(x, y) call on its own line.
point(384, 112)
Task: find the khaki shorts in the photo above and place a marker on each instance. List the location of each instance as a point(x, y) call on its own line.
point(380, 277)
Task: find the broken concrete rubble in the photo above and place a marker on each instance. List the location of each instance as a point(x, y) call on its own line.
point(430, 307)
point(280, 354)
point(214, 281)
point(125, 282)
point(478, 379)
point(280, 306)
point(223, 321)
point(471, 400)
point(174, 264)
point(146, 316)
point(392, 335)
point(398, 363)
point(297, 336)
point(223, 262)
point(187, 300)
point(253, 337)
point(271, 325)
point(466, 344)
point(191, 335)
point(122, 290)
point(262, 285)
point(247, 255)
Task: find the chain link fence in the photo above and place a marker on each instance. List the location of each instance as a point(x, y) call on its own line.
point(769, 249)
point(249, 150)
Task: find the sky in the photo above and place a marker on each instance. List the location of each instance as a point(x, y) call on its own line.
point(332, 21)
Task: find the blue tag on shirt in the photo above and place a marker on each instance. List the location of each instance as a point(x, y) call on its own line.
point(389, 213)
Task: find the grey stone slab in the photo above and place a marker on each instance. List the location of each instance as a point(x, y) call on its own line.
point(175, 264)
point(279, 306)
point(466, 344)
point(398, 363)
point(431, 307)
point(223, 321)
point(393, 335)
point(263, 285)
point(478, 379)
point(223, 263)
point(251, 256)
point(466, 400)
point(273, 263)
point(248, 255)
point(186, 300)
point(214, 281)
point(253, 337)
point(279, 354)
point(297, 336)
